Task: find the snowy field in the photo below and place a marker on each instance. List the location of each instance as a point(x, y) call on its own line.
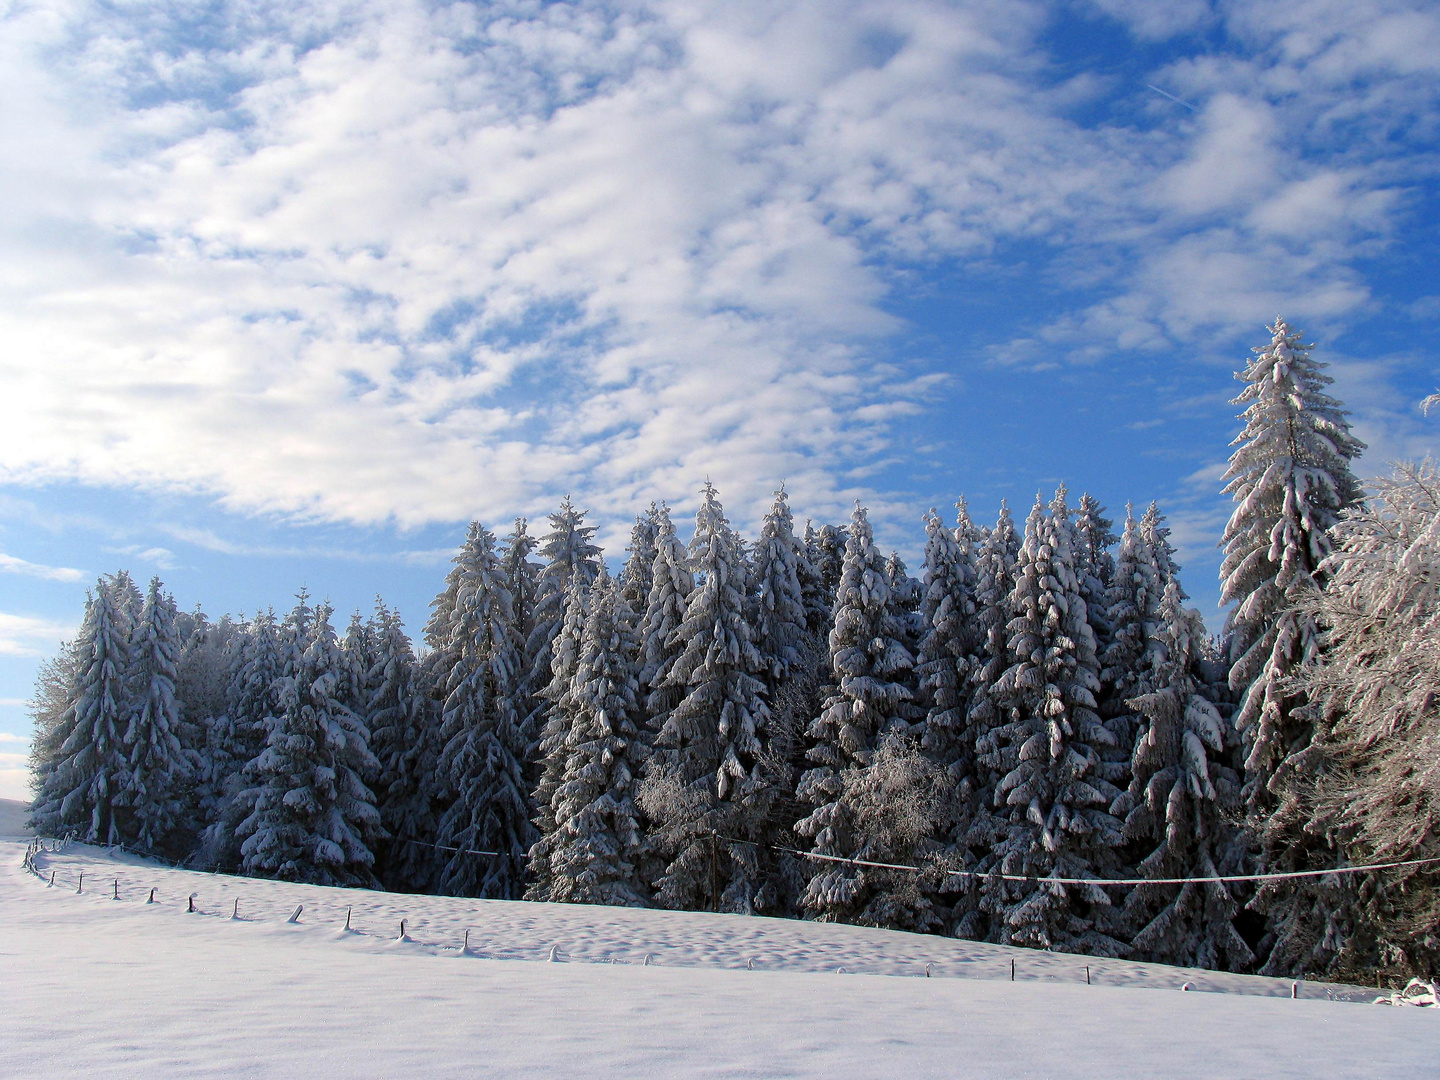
point(12, 818)
point(95, 986)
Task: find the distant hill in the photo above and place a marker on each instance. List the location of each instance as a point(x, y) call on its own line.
point(12, 817)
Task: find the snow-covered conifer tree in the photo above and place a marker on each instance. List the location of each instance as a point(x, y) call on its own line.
point(873, 696)
point(1290, 478)
point(238, 737)
point(1176, 808)
point(780, 621)
point(407, 750)
point(994, 581)
point(485, 746)
point(636, 578)
point(1049, 751)
point(905, 596)
point(1094, 566)
point(591, 854)
point(671, 583)
point(560, 717)
point(129, 600)
point(522, 578)
point(88, 771)
point(828, 558)
point(1157, 535)
point(701, 779)
point(159, 768)
point(568, 552)
point(813, 593)
point(357, 659)
point(312, 816)
point(948, 643)
point(1132, 613)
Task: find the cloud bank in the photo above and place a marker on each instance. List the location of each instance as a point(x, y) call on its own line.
point(412, 262)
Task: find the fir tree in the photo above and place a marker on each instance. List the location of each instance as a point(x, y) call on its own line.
point(947, 646)
point(702, 777)
point(905, 596)
point(560, 718)
point(312, 817)
point(637, 577)
point(407, 750)
point(994, 581)
point(159, 767)
point(1176, 807)
point(671, 583)
point(1053, 784)
point(813, 593)
point(568, 552)
point(592, 852)
point(1290, 478)
point(1132, 613)
point(88, 771)
point(780, 618)
point(828, 557)
point(237, 738)
point(485, 747)
point(1094, 566)
point(872, 697)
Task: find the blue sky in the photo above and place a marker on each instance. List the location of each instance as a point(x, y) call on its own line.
point(291, 291)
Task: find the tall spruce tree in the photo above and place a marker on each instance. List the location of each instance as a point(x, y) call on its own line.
point(1132, 613)
point(1177, 807)
point(88, 770)
point(159, 768)
point(485, 746)
point(560, 718)
point(1290, 478)
point(994, 581)
point(593, 850)
point(1094, 566)
point(671, 583)
point(948, 645)
point(704, 791)
point(1053, 784)
point(568, 552)
point(813, 592)
point(312, 816)
point(407, 750)
point(780, 619)
point(636, 578)
point(873, 696)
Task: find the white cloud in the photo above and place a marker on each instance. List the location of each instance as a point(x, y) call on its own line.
point(9, 564)
point(451, 261)
point(14, 780)
point(10, 736)
point(22, 635)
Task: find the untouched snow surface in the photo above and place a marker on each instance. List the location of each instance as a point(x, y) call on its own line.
point(13, 815)
point(93, 986)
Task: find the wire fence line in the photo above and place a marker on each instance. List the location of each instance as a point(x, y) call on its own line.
point(995, 875)
point(1053, 967)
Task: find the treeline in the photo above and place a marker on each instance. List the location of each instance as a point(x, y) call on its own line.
point(753, 726)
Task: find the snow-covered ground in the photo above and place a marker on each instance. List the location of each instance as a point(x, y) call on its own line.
point(12, 818)
point(94, 986)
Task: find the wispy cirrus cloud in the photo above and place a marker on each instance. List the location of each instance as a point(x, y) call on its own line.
point(23, 635)
point(9, 564)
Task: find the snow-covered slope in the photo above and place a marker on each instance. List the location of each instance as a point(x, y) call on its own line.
point(13, 814)
point(96, 986)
